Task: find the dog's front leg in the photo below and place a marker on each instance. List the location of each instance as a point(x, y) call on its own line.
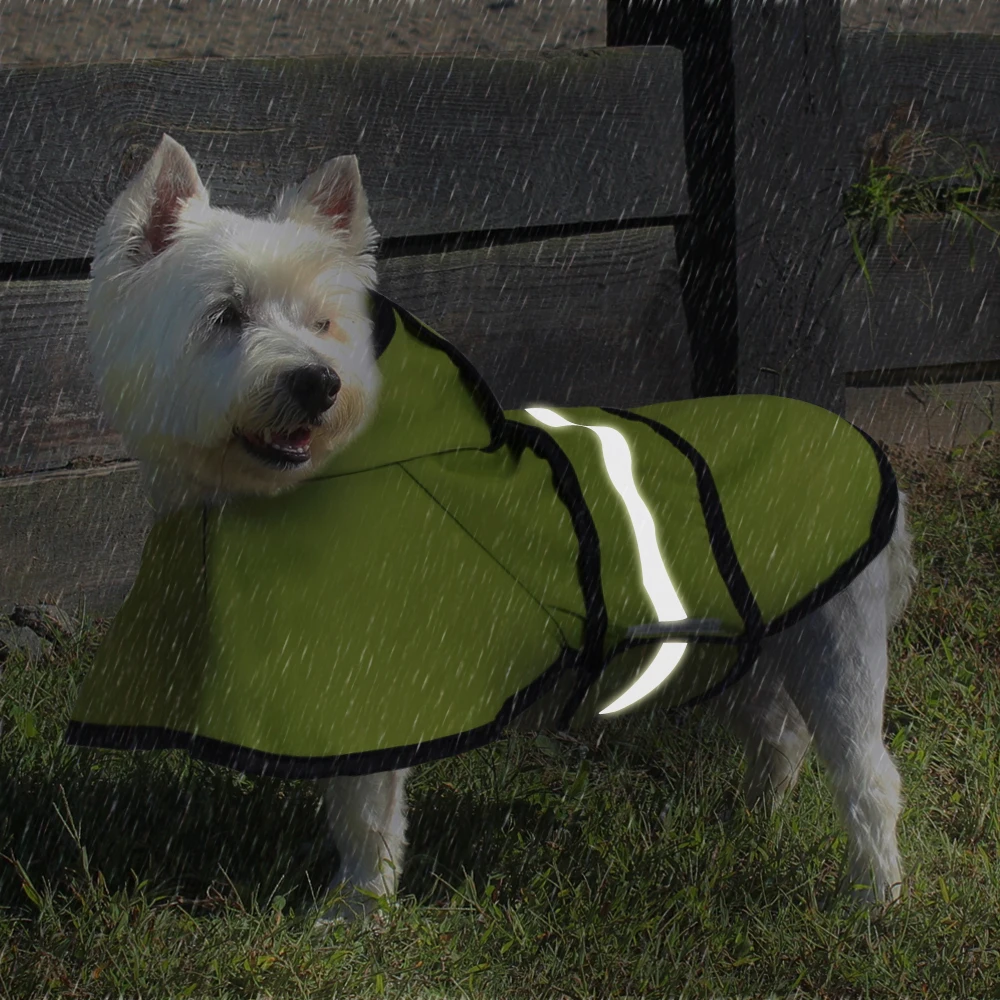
point(367, 817)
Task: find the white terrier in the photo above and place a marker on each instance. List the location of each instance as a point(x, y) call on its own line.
point(234, 355)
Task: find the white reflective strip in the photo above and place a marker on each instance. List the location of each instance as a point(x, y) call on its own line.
point(655, 578)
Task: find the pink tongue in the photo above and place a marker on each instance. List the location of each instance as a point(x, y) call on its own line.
point(296, 439)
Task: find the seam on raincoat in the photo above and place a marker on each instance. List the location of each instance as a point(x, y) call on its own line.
point(328, 477)
point(487, 552)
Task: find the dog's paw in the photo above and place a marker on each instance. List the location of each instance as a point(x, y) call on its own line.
point(866, 895)
point(341, 913)
point(870, 893)
point(347, 904)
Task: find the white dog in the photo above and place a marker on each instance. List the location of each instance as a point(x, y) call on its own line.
point(234, 355)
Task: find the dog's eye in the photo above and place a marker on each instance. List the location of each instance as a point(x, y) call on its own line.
point(229, 317)
point(322, 326)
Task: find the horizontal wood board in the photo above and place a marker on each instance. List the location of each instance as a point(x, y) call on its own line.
point(445, 144)
point(928, 305)
point(946, 83)
point(577, 319)
point(924, 417)
point(569, 321)
point(72, 538)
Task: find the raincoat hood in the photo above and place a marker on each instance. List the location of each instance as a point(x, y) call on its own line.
point(458, 565)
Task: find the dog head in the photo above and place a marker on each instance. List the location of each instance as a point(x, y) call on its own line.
point(234, 354)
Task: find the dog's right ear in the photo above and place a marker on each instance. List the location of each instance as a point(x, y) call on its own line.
point(152, 203)
point(331, 198)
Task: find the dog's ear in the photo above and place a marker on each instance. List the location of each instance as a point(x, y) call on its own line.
point(331, 198)
point(155, 198)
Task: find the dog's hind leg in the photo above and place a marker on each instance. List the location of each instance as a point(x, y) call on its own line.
point(775, 739)
point(367, 820)
point(834, 666)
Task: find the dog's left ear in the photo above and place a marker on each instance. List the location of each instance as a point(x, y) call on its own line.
point(148, 210)
point(331, 198)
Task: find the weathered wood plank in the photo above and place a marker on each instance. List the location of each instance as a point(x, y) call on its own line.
point(927, 416)
point(581, 319)
point(899, 81)
point(72, 537)
point(706, 237)
point(49, 413)
point(445, 144)
point(927, 306)
point(587, 319)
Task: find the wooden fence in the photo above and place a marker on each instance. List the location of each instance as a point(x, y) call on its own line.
point(617, 225)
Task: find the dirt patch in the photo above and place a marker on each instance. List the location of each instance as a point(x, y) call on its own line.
point(37, 33)
point(929, 16)
point(45, 32)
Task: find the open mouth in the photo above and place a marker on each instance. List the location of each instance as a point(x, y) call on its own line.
point(284, 450)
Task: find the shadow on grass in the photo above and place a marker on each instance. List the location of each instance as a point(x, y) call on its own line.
point(181, 834)
point(453, 833)
point(204, 828)
point(508, 812)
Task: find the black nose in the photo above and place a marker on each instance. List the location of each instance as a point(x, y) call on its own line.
point(314, 388)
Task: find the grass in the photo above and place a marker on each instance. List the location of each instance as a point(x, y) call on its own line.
point(914, 173)
point(540, 866)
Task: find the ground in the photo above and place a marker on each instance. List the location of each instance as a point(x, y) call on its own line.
point(40, 32)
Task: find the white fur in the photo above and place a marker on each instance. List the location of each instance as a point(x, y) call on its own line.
point(824, 680)
point(176, 393)
point(174, 388)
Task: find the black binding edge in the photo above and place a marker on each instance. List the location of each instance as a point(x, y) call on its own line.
point(477, 385)
point(262, 764)
point(883, 524)
point(724, 553)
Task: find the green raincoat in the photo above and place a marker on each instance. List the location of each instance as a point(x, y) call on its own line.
point(458, 565)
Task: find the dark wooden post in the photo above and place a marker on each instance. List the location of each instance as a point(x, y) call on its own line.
point(764, 251)
point(706, 238)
